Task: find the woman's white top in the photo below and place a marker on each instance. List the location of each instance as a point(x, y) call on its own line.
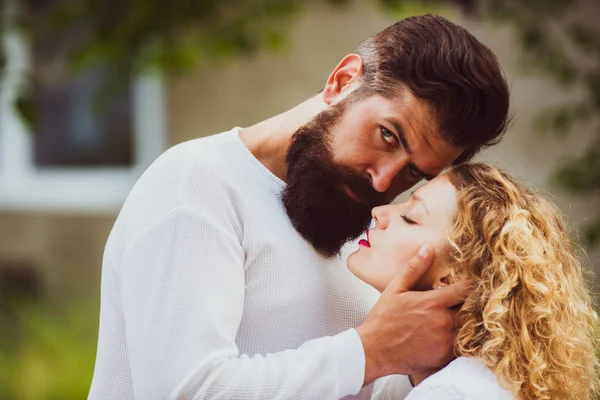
point(463, 379)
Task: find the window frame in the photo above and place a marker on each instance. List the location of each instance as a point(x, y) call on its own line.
point(26, 187)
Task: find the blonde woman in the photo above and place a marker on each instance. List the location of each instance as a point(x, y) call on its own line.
point(528, 328)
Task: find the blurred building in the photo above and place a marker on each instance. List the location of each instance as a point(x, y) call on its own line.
point(61, 188)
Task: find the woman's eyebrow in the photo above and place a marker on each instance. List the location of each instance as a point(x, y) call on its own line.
point(419, 199)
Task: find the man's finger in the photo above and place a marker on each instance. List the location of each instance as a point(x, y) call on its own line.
point(451, 295)
point(459, 319)
point(411, 274)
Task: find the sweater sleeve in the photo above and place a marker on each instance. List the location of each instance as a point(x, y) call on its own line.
point(182, 291)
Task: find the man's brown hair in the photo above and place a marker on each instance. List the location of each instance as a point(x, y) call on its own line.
point(445, 66)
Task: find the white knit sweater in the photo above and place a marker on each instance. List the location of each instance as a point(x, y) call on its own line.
point(209, 292)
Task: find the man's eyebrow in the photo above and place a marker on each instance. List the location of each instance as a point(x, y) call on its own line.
point(402, 138)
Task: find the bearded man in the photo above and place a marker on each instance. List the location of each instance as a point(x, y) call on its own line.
point(224, 275)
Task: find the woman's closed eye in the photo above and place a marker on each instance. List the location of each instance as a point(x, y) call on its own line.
point(407, 220)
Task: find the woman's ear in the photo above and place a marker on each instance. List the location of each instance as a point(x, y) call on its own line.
point(437, 274)
point(442, 275)
point(442, 281)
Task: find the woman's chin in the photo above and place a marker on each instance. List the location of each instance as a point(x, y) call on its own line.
point(353, 264)
point(351, 260)
point(358, 269)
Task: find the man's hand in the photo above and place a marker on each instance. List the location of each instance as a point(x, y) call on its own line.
point(410, 332)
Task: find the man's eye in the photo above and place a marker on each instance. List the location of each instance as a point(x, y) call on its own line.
point(389, 137)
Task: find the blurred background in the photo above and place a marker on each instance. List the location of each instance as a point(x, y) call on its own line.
point(91, 91)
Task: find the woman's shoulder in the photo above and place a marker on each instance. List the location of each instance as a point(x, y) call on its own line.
point(464, 379)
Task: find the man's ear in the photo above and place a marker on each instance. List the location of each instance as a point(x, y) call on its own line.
point(343, 79)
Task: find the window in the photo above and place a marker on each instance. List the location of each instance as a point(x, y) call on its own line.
point(82, 155)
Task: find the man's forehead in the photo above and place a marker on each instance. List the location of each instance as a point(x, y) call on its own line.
point(413, 111)
point(416, 120)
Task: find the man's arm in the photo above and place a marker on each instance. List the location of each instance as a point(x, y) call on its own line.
point(182, 292)
point(183, 297)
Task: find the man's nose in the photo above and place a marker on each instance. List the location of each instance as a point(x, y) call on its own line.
point(383, 176)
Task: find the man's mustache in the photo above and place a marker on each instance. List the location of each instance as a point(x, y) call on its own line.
point(362, 187)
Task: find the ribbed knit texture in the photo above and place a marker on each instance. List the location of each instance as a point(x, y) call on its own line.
point(209, 292)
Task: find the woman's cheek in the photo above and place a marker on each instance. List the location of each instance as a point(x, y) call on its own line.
point(377, 268)
point(407, 248)
point(383, 273)
point(390, 261)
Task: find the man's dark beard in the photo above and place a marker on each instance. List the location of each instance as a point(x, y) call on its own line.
point(315, 199)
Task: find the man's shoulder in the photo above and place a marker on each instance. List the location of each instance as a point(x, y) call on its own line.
point(206, 160)
point(195, 172)
point(191, 174)
point(207, 151)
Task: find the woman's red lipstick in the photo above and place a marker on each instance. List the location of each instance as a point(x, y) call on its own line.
point(363, 242)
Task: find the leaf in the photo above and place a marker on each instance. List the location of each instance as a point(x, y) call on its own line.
point(276, 41)
point(405, 8)
point(593, 86)
point(2, 60)
point(592, 233)
point(541, 53)
point(25, 106)
point(584, 38)
point(560, 120)
point(580, 175)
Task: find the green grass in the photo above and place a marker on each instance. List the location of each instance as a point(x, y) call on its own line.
point(49, 355)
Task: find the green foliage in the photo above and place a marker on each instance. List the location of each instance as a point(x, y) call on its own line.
point(405, 8)
point(178, 36)
point(26, 108)
point(131, 37)
point(2, 55)
point(567, 52)
point(172, 37)
point(581, 176)
point(52, 355)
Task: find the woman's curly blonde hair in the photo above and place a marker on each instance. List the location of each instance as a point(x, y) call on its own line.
point(529, 314)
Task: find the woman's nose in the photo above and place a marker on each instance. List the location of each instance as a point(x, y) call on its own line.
point(380, 216)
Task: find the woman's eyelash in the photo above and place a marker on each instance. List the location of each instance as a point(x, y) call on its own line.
point(407, 220)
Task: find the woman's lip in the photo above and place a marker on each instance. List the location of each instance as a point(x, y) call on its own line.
point(365, 242)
